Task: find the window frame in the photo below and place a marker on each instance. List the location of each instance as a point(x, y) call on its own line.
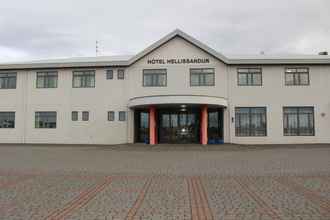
point(9, 75)
point(154, 74)
point(8, 116)
point(83, 114)
point(202, 74)
point(84, 75)
point(250, 119)
point(46, 82)
point(298, 127)
point(296, 74)
point(111, 113)
point(249, 74)
point(45, 112)
point(119, 71)
point(119, 114)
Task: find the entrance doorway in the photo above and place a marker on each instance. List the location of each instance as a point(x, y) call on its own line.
point(178, 126)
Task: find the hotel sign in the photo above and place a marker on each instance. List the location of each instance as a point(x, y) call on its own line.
point(179, 61)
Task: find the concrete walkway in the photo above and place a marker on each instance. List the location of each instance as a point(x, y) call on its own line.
point(165, 182)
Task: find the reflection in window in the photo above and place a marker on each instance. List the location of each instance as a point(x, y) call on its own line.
point(202, 77)
point(249, 77)
point(296, 76)
point(8, 80)
point(250, 121)
point(165, 120)
point(84, 79)
point(47, 79)
point(7, 119)
point(45, 119)
point(154, 77)
point(298, 121)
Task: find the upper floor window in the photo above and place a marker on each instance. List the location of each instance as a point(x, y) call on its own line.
point(298, 121)
point(8, 80)
point(83, 79)
point(249, 76)
point(154, 77)
point(7, 119)
point(296, 76)
point(120, 74)
point(109, 74)
point(47, 79)
point(250, 121)
point(45, 119)
point(202, 77)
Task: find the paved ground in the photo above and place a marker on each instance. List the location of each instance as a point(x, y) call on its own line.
point(181, 182)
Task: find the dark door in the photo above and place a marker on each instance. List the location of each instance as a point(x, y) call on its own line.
point(178, 126)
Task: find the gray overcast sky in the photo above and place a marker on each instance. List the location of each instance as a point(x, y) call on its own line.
point(63, 28)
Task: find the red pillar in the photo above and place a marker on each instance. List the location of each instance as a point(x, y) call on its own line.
point(152, 125)
point(204, 122)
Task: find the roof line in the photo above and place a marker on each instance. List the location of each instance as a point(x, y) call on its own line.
point(320, 59)
point(169, 37)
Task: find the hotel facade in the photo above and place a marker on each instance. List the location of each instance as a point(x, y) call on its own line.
point(178, 90)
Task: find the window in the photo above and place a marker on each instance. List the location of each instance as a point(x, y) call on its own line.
point(8, 80)
point(154, 77)
point(47, 79)
point(109, 74)
point(250, 121)
point(298, 121)
point(7, 119)
point(83, 79)
point(121, 74)
point(74, 116)
point(296, 76)
point(249, 77)
point(45, 120)
point(122, 116)
point(85, 116)
point(202, 77)
point(111, 116)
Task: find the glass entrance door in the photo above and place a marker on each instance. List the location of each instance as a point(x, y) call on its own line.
point(178, 126)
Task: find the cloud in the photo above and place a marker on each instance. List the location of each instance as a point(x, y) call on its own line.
point(62, 28)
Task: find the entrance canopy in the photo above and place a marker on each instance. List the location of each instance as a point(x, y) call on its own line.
point(177, 99)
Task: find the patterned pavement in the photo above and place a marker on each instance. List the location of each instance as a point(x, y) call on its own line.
point(72, 194)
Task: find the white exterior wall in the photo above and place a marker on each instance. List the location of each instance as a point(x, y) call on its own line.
point(275, 95)
point(26, 99)
point(114, 95)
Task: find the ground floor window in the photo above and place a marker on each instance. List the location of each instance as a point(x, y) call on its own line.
point(215, 125)
point(250, 121)
point(298, 121)
point(111, 115)
point(141, 126)
point(7, 119)
point(74, 116)
point(85, 115)
point(45, 119)
point(122, 116)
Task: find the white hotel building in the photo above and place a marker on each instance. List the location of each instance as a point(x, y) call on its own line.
point(178, 90)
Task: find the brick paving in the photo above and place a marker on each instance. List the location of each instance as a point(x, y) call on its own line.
point(94, 183)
